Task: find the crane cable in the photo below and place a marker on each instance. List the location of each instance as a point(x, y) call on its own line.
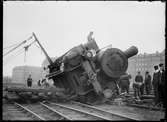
point(26, 49)
point(10, 46)
point(13, 56)
point(17, 46)
point(39, 48)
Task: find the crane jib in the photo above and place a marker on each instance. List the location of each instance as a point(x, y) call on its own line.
point(49, 59)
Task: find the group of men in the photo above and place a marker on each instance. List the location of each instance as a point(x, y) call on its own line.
point(140, 83)
point(158, 83)
point(43, 82)
point(40, 83)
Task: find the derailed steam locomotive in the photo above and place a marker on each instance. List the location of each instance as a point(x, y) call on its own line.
point(88, 72)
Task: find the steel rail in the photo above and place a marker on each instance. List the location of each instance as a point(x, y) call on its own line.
point(102, 110)
point(34, 114)
point(146, 107)
point(82, 111)
point(55, 111)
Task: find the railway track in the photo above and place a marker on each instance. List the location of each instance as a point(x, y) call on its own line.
point(111, 114)
point(64, 111)
point(73, 113)
point(33, 112)
point(16, 111)
point(92, 111)
point(55, 111)
point(46, 112)
point(146, 107)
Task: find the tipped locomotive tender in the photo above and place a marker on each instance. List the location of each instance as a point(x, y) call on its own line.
point(89, 72)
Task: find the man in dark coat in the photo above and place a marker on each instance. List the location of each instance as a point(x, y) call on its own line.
point(39, 83)
point(147, 82)
point(29, 81)
point(155, 83)
point(139, 79)
point(124, 83)
point(162, 84)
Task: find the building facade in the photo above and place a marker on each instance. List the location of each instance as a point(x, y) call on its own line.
point(7, 79)
point(21, 73)
point(145, 62)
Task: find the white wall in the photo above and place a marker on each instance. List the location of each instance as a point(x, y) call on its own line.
point(21, 73)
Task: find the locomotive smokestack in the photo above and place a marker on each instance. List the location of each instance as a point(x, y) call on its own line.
point(131, 51)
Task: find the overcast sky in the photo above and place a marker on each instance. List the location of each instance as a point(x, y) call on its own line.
point(61, 25)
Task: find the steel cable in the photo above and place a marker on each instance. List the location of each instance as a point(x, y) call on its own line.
point(10, 46)
point(18, 45)
point(10, 58)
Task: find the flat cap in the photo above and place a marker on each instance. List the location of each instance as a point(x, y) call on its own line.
point(161, 64)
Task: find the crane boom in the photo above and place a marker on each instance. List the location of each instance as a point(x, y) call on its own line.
point(49, 59)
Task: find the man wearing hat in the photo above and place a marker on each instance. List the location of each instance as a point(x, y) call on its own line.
point(29, 81)
point(124, 82)
point(162, 84)
point(155, 83)
point(138, 86)
point(147, 82)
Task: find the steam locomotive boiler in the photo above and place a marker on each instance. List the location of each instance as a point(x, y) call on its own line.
point(89, 72)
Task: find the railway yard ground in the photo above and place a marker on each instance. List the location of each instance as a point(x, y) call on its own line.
point(78, 112)
point(72, 110)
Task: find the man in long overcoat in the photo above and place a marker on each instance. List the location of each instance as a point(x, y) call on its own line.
point(155, 83)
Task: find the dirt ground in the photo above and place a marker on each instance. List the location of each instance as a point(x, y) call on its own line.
point(138, 113)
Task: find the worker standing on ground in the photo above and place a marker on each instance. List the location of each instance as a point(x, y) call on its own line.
point(29, 81)
point(147, 82)
point(44, 82)
point(139, 79)
point(155, 83)
point(124, 83)
point(39, 83)
point(138, 86)
point(162, 85)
